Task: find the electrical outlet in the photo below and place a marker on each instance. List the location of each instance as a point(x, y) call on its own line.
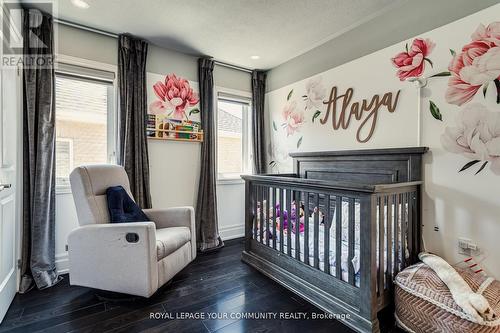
point(463, 246)
point(464, 243)
point(473, 247)
point(466, 246)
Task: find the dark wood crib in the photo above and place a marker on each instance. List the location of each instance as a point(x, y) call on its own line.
point(338, 229)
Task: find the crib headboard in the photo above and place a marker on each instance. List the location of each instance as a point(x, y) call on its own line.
point(365, 166)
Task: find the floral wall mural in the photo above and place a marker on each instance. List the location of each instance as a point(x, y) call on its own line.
point(174, 97)
point(476, 134)
point(455, 112)
point(411, 62)
point(338, 110)
point(476, 66)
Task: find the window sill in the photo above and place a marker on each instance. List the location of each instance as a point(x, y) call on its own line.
point(63, 190)
point(230, 181)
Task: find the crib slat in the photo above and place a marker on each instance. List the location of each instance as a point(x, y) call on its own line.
point(381, 232)
point(282, 220)
point(273, 210)
point(297, 224)
point(266, 200)
point(316, 232)
point(397, 220)
point(255, 209)
point(411, 227)
point(404, 229)
point(289, 222)
point(390, 222)
point(262, 222)
point(306, 228)
point(338, 237)
point(326, 241)
point(351, 241)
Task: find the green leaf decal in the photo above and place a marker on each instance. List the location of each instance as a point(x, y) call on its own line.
point(194, 111)
point(289, 95)
point(429, 61)
point(453, 53)
point(485, 89)
point(299, 142)
point(435, 111)
point(468, 165)
point(406, 47)
point(482, 167)
point(274, 126)
point(441, 74)
point(497, 85)
point(316, 115)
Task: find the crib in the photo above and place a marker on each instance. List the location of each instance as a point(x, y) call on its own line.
point(338, 229)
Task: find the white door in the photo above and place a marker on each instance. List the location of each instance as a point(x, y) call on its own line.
point(9, 171)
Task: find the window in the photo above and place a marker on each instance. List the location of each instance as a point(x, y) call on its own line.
point(64, 160)
point(84, 122)
point(233, 140)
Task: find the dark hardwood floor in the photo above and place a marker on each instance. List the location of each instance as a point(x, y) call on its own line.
point(215, 283)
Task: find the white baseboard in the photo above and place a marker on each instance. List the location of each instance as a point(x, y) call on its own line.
point(62, 263)
point(232, 231)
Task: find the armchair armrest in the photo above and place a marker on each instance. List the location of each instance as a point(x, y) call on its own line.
point(102, 256)
point(175, 217)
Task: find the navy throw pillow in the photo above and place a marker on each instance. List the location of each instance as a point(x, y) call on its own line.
point(122, 208)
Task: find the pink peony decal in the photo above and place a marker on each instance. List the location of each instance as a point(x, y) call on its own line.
point(293, 119)
point(476, 136)
point(175, 95)
point(476, 65)
point(411, 63)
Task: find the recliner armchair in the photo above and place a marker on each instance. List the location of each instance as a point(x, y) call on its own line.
point(133, 258)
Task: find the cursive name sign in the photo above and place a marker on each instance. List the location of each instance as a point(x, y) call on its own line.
point(363, 111)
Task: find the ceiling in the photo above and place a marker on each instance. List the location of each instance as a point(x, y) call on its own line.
point(230, 30)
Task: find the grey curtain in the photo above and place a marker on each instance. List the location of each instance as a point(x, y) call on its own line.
point(38, 239)
point(259, 145)
point(133, 147)
point(206, 206)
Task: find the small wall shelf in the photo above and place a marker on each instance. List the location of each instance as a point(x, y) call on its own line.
point(170, 134)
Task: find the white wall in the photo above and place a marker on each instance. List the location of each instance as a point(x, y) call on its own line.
point(458, 204)
point(174, 166)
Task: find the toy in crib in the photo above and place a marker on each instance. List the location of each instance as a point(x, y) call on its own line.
point(283, 216)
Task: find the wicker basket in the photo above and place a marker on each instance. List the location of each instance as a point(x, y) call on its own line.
point(425, 304)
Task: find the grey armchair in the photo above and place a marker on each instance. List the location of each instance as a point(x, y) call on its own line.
point(133, 258)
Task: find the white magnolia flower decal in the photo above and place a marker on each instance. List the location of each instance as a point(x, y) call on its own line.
point(278, 156)
point(315, 94)
point(476, 136)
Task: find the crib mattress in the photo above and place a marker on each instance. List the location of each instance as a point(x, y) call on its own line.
point(321, 232)
point(345, 262)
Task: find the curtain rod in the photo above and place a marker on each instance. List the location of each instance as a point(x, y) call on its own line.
point(239, 68)
point(84, 27)
point(113, 35)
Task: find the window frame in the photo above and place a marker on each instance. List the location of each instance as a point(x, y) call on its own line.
point(112, 114)
point(238, 96)
point(70, 154)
